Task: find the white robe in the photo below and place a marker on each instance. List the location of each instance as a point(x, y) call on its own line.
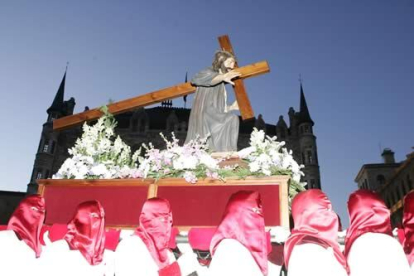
point(16, 257)
point(377, 254)
point(59, 259)
point(311, 259)
point(232, 258)
point(133, 258)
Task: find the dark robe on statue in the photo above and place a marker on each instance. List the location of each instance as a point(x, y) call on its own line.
point(209, 116)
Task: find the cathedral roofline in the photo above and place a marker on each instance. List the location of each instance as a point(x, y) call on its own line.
point(304, 116)
point(58, 103)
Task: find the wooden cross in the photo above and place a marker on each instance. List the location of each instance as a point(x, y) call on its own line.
point(239, 89)
point(176, 91)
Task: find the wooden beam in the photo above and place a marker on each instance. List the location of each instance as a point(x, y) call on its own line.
point(242, 98)
point(150, 98)
point(253, 70)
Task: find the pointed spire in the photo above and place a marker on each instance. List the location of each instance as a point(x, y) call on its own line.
point(281, 122)
point(58, 104)
point(304, 111)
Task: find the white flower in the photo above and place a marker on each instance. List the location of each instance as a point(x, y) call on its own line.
point(99, 169)
point(254, 166)
point(190, 162)
point(95, 155)
point(208, 161)
point(178, 164)
point(190, 177)
point(98, 155)
point(257, 137)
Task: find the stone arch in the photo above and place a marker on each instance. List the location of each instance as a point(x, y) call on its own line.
point(172, 122)
point(139, 121)
point(380, 180)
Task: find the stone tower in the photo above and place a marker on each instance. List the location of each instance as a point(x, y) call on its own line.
point(301, 140)
point(306, 144)
point(49, 153)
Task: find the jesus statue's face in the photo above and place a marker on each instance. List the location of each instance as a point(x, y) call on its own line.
point(229, 63)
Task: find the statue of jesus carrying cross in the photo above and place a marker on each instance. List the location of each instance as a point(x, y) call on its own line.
point(210, 115)
point(216, 120)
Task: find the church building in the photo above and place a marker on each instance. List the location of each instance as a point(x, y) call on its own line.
point(143, 125)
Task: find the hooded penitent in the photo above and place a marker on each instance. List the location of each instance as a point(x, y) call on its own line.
point(155, 225)
point(315, 222)
point(243, 221)
point(86, 231)
point(27, 221)
point(367, 214)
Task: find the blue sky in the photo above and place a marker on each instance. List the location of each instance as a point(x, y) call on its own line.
point(356, 59)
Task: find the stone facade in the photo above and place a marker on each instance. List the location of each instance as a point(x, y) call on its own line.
point(397, 186)
point(391, 180)
point(144, 126)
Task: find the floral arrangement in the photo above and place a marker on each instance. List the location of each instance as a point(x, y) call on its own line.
point(266, 156)
point(99, 155)
point(190, 161)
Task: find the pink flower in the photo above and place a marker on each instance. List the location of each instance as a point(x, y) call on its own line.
point(137, 173)
point(211, 174)
point(190, 177)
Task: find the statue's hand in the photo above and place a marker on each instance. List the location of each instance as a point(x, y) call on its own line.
point(230, 75)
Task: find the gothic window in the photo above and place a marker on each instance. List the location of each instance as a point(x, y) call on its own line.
point(309, 156)
point(380, 180)
point(45, 147)
point(47, 174)
point(142, 125)
point(306, 129)
point(171, 126)
point(52, 147)
point(39, 174)
point(313, 182)
point(183, 126)
point(303, 158)
point(134, 124)
point(138, 121)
